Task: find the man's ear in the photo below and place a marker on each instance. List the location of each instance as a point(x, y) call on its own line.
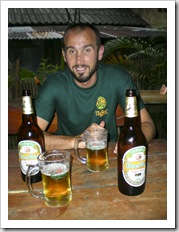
point(63, 53)
point(100, 52)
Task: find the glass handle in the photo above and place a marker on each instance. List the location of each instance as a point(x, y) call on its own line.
point(77, 154)
point(32, 169)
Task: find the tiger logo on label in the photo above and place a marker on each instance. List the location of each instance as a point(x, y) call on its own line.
point(101, 103)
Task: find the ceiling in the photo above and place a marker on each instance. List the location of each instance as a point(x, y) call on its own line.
point(50, 23)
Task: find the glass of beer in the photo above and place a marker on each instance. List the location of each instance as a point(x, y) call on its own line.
point(96, 149)
point(55, 168)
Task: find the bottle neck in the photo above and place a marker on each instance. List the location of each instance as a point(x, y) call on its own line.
point(131, 112)
point(28, 118)
point(27, 109)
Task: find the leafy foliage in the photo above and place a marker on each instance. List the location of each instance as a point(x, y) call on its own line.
point(145, 59)
point(25, 74)
point(45, 69)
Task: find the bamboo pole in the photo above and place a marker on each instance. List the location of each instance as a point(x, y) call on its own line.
point(153, 97)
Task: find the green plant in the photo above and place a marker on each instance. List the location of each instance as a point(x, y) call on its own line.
point(25, 74)
point(145, 59)
point(45, 69)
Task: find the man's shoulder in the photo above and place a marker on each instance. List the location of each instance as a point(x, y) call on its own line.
point(59, 76)
point(113, 70)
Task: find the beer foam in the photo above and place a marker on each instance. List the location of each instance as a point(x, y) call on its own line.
point(55, 169)
point(96, 145)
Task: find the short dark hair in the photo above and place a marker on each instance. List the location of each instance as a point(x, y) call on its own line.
point(81, 27)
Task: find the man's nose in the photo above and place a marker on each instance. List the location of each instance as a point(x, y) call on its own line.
point(79, 58)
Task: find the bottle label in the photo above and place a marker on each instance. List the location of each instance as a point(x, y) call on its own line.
point(131, 107)
point(28, 152)
point(134, 165)
point(27, 107)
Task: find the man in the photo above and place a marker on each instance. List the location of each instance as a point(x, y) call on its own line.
point(86, 93)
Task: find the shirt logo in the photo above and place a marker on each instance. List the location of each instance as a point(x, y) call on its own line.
point(101, 103)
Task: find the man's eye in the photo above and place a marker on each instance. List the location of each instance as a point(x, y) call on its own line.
point(71, 52)
point(87, 50)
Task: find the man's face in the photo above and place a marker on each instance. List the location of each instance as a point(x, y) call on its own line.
point(81, 54)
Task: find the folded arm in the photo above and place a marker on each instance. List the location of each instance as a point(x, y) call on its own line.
point(53, 141)
point(60, 141)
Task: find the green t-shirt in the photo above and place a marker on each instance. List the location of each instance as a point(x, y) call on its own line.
point(77, 108)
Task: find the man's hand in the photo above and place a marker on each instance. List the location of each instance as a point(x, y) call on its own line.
point(115, 149)
point(96, 126)
point(82, 144)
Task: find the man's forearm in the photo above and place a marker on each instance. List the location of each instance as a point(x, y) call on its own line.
point(58, 141)
point(148, 130)
point(66, 142)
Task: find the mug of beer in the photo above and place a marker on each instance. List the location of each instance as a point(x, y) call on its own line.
point(96, 149)
point(55, 169)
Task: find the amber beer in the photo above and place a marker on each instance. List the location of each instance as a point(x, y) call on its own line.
point(56, 179)
point(132, 151)
point(96, 149)
point(58, 182)
point(97, 158)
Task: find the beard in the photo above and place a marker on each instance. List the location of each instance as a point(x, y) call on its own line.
point(82, 77)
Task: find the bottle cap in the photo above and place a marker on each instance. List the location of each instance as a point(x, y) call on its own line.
point(26, 92)
point(130, 92)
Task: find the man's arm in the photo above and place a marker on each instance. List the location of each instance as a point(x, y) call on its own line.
point(60, 141)
point(55, 141)
point(147, 125)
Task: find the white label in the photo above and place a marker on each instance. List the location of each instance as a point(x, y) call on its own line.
point(27, 107)
point(134, 165)
point(28, 152)
point(131, 107)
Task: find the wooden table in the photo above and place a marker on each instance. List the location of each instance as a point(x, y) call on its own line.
point(95, 195)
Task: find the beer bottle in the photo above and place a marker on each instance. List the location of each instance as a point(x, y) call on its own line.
point(132, 150)
point(30, 138)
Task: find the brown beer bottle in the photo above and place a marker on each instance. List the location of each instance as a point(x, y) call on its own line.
point(30, 138)
point(132, 150)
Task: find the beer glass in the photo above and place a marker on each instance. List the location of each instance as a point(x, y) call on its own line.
point(55, 168)
point(96, 149)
